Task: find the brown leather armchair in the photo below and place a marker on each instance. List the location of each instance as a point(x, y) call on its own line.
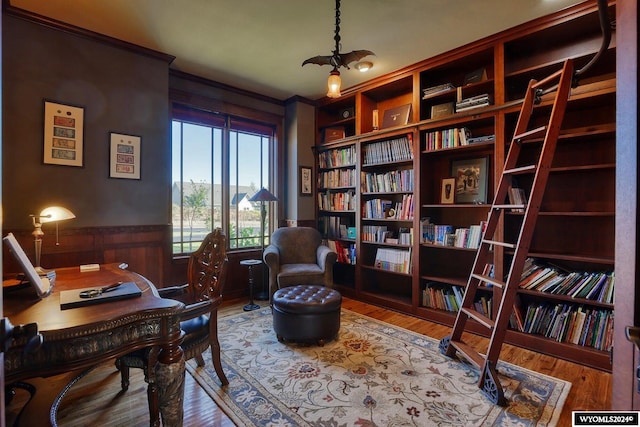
point(297, 256)
point(202, 295)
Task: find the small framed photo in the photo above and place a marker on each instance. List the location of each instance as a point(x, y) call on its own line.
point(306, 181)
point(471, 180)
point(63, 134)
point(124, 158)
point(448, 191)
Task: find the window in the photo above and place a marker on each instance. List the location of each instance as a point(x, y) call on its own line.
point(218, 163)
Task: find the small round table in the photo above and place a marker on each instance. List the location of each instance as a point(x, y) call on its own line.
point(250, 263)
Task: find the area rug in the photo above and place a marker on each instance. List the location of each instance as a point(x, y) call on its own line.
point(374, 374)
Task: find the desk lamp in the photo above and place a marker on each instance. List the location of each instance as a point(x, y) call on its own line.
point(263, 196)
point(50, 214)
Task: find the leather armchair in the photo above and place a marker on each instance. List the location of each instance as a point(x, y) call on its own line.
point(297, 256)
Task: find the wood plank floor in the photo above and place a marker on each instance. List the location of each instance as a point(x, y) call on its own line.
point(97, 400)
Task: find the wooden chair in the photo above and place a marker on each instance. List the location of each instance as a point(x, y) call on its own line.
point(202, 295)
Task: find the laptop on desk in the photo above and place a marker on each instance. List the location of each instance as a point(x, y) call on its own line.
point(41, 284)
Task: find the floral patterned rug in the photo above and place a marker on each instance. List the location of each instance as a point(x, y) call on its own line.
point(374, 374)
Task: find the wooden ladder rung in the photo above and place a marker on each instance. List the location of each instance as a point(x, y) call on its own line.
point(497, 243)
point(530, 134)
point(468, 353)
point(481, 318)
point(520, 170)
point(487, 279)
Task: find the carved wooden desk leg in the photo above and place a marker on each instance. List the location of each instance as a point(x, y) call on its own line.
point(170, 373)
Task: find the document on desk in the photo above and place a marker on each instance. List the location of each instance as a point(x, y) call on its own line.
point(78, 297)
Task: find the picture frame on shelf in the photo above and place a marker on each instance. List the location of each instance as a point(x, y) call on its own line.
point(470, 177)
point(124, 157)
point(306, 181)
point(447, 193)
point(63, 134)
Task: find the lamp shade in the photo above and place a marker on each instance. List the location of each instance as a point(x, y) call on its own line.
point(334, 84)
point(263, 195)
point(55, 213)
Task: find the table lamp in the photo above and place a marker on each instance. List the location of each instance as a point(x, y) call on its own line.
point(50, 214)
point(262, 196)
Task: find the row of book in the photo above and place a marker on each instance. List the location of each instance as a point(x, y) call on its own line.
point(392, 150)
point(517, 196)
point(337, 157)
point(388, 209)
point(447, 138)
point(449, 298)
point(346, 252)
point(397, 260)
point(337, 178)
point(334, 227)
point(473, 102)
point(568, 323)
point(381, 234)
point(595, 286)
point(342, 201)
point(392, 181)
point(446, 235)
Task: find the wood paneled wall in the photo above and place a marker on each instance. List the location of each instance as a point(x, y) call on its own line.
point(144, 248)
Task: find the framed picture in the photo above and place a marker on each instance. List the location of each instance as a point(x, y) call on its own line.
point(124, 158)
point(448, 191)
point(471, 180)
point(306, 183)
point(63, 134)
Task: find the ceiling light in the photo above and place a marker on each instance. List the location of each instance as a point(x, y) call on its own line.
point(364, 66)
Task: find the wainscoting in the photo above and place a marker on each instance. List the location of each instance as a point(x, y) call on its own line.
point(146, 249)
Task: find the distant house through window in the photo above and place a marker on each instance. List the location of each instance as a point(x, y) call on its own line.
point(218, 163)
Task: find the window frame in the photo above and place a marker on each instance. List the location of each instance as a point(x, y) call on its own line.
point(250, 121)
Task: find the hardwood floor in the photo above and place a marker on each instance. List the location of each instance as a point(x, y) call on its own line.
point(97, 399)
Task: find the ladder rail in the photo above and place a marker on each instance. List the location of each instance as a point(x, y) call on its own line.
point(508, 290)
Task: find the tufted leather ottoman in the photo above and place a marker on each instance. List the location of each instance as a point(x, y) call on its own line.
point(306, 313)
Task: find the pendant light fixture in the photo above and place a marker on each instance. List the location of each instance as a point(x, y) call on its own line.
point(337, 60)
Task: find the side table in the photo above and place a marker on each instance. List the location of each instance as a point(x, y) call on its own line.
point(250, 263)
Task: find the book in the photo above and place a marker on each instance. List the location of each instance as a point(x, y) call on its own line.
point(72, 299)
point(434, 90)
point(441, 110)
point(475, 76)
point(396, 116)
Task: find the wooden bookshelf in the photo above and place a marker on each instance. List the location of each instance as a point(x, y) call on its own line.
point(575, 228)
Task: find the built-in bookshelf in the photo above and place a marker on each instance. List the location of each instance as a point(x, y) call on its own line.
point(423, 189)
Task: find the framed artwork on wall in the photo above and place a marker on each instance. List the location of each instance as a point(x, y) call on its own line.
point(124, 158)
point(306, 181)
point(448, 191)
point(63, 134)
point(471, 180)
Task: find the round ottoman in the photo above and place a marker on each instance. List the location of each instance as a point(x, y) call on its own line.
point(306, 314)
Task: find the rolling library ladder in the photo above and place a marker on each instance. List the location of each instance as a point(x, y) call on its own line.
point(488, 382)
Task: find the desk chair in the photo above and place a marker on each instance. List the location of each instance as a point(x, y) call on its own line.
point(202, 295)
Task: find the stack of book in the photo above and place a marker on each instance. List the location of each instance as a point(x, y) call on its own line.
point(473, 102)
point(434, 90)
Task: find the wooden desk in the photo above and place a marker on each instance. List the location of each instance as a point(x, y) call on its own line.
point(82, 337)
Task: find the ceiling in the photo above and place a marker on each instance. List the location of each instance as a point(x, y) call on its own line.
point(259, 45)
